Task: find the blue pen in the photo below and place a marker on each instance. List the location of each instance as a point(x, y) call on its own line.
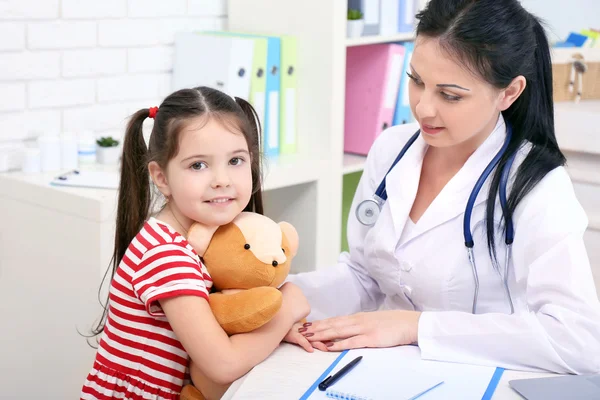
point(330, 380)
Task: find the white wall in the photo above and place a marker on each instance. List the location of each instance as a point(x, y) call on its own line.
point(564, 16)
point(68, 65)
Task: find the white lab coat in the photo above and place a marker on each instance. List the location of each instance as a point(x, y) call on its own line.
point(556, 324)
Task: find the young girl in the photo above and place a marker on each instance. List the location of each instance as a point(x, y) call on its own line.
point(203, 157)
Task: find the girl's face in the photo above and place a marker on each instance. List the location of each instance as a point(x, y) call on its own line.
point(210, 179)
point(453, 107)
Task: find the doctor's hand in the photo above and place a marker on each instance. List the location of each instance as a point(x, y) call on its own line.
point(367, 329)
point(295, 336)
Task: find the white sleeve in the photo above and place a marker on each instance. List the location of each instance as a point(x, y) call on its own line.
point(560, 332)
point(347, 288)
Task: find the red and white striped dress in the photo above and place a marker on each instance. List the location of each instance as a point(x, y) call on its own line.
point(139, 356)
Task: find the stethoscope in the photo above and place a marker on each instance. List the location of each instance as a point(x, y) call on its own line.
point(368, 211)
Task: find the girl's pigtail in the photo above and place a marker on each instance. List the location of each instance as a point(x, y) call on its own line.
point(134, 196)
point(256, 203)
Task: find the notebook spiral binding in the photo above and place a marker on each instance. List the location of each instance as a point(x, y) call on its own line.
point(332, 394)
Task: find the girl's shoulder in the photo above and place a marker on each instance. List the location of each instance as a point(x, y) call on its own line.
point(157, 236)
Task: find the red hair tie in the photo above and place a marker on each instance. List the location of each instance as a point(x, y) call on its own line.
point(152, 112)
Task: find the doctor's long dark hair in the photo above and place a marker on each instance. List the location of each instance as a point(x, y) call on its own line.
point(135, 189)
point(499, 40)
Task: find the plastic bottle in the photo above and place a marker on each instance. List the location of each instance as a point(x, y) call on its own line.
point(86, 147)
point(69, 151)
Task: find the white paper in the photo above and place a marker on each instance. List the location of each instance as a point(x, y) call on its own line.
point(405, 99)
point(378, 377)
point(259, 106)
point(393, 83)
point(290, 116)
point(409, 12)
point(273, 139)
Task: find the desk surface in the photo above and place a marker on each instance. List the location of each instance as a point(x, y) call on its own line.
point(289, 371)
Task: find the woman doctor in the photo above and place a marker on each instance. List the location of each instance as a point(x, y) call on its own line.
point(479, 67)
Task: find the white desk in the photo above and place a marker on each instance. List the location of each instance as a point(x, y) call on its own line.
point(289, 371)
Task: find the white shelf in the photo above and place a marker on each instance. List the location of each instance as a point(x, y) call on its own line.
point(289, 170)
point(361, 41)
point(353, 163)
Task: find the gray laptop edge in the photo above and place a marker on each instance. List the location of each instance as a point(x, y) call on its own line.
point(571, 387)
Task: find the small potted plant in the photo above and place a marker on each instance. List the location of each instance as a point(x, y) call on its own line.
point(108, 151)
point(355, 23)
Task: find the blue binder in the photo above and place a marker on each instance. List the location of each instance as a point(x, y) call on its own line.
point(402, 114)
point(271, 129)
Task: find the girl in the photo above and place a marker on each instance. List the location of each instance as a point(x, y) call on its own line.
point(203, 157)
point(480, 70)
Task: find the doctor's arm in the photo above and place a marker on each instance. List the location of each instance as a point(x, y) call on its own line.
point(560, 331)
point(347, 288)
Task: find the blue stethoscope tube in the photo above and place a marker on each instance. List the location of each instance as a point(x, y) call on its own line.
point(368, 211)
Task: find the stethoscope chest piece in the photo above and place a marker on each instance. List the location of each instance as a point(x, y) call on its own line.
point(368, 211)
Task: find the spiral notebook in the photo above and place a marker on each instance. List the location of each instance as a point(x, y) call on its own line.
point(399, 373)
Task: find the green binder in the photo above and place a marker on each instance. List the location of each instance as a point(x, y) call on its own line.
point(288, 135)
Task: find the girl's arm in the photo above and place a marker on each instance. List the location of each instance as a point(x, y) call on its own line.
point(223, 359)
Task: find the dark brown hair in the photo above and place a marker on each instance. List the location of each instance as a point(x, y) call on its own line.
point(135, 189)
point(500, 40)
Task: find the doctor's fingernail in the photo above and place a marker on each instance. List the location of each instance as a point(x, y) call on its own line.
point(307, 324)
point(308, 334)
point(302, 330)
point(328, 344)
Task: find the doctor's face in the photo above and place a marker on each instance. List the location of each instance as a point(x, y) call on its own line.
point(453, 106)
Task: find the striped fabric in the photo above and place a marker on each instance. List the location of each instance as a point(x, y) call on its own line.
point(139, 356)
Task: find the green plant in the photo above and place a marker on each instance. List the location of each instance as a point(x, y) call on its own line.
point(107, 141)
point(354, 14)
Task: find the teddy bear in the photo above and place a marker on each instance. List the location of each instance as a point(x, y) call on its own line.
point(247, 259)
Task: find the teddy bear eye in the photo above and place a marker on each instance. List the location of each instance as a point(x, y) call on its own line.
point(275, 263)
point(247, 246)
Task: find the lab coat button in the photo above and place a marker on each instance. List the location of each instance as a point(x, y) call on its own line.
point(405, 266)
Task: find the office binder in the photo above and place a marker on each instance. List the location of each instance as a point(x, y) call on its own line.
point(403, 114)
point(289, 88)
point(372, 82)
point(258, 80)
point(400, 373)
point(371, 14)
point(406, 15)
point(389, 13)
point(220, 62)
point(270, 140)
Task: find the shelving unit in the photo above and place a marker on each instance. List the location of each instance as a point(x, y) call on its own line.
point(361, 41)
point(353, 163)
point(313, 182)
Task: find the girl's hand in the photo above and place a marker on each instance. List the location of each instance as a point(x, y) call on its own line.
point(295, 336)
point(294, 301)
point(368, 329)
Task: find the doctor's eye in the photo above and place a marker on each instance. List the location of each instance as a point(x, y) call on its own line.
point(449, 97)
point(414, 78)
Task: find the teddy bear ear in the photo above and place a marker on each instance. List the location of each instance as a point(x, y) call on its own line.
point(291, 235)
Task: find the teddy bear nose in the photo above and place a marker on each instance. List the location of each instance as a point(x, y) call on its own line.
point(275, 263)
